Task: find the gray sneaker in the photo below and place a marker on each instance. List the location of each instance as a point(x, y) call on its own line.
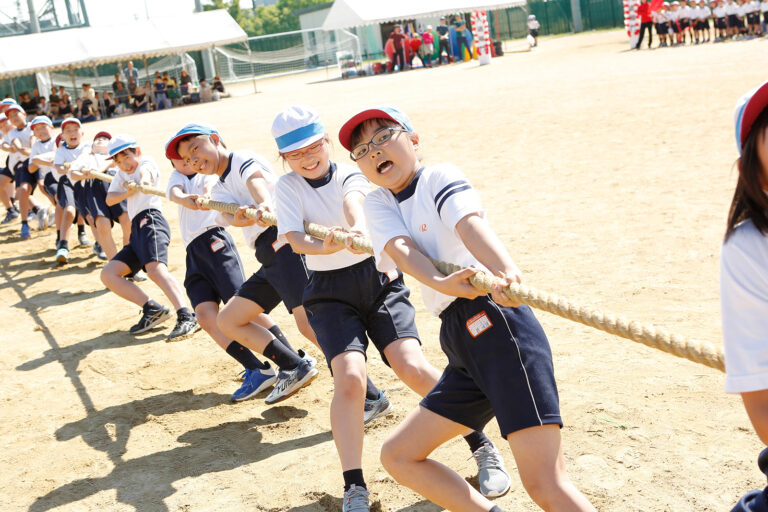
point(290, 381)
point(355, 500)
point(377, 408)
point(491, 474)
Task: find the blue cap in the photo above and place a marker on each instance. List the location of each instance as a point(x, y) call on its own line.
point(379, 112)
point(297, 127)
point(193, 128)
point(120, 143)
point(41, 120)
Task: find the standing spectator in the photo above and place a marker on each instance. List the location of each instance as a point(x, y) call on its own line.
point(415, 46)
point(444, 34)
point(121, 94)
point(533, 29)
point(117, 82)
point(161, 95)
point(461, 39)
point(398, 48)
point(427, 46)
point(185, 82)
point(646, 23)
point(131, 73)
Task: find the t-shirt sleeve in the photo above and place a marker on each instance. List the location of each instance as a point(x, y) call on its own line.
point(176, 179)
point(384, 223)
point(149, 168)
point(290, 211)
point(744, 307)
point(250, 165)
point(354, 181)
point(454, 196)
point(59, 158)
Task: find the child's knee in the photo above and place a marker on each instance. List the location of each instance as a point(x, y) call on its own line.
point(544, 488)
point(349, 383)
point(207, 319)
point(156, 270)
point(392, 456)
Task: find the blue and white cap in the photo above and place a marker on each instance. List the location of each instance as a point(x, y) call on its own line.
point(7, 102)
point(120, 143)
point(41, 120)
point(748, 108)
point(3, 117)
point(10, 107)
point(193, 128)
point(297, 127)
point(379, 112)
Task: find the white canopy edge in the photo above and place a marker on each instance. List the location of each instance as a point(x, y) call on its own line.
point(354, 13)
point(81, 47)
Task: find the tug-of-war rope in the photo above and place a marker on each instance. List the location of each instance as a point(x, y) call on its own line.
point(698, 351)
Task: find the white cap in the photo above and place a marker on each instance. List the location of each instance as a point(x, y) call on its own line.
point(69, 120)
point(14, 106)
point(120, 143)
point(297, 127)
point(41, 120)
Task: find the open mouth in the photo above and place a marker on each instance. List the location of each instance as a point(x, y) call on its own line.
point(384, 166)
point(311, 168)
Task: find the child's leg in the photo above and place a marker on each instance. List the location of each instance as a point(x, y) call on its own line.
point(67, 216)
point(207, 313)
point(158, 272)
point(22, 193)
point(5, 196)
point(302, 323)
point(409, 364)
point(237, 321)
point(103, 234)
point(540, 462)
point(125, 226)
point(113, 277)
point(404, 456)
point(349, 381)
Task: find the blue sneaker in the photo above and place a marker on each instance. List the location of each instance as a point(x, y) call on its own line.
point(9, 216)
point(255, 382)
point(25, 233)
point(377, 408)
point(290, 381)
point(62, 255)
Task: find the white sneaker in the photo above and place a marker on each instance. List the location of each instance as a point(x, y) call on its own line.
point(42, 218)
point(355, 500)
point(491, 474)
point(290, 381)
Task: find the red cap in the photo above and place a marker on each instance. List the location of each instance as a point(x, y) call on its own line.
point(380, 112)
point(748, 108)
point(106, 135)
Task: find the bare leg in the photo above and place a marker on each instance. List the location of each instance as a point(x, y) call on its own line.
point(349, 383)
point(236, 320)
point(302, 322)
point(113, 277)
point(125, 225)
point(207, 313)
point(103, 234)
point(158, 273)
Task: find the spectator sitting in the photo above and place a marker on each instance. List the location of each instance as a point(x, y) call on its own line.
point(29, 106)
point(132, 84)
point(109, 105)
point(161, 95)
point(173, 91)
point(140, 100)
point(185, 82)
point(121, 94)
point(208, 93)
point(87, 93)
point(65, 109)
point(117, 82)
point(42, 107)
point(218, 85)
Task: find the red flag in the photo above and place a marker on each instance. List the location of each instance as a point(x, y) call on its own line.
point(656, 4)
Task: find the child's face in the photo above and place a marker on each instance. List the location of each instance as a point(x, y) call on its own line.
point(72, 134)
point(127, 161)
point(100, 145)
point(393, 163)
point(17, 118)
point(201, 153)
point(311, 162)
point(762, 155)
point(183, 167)
point(42, 131)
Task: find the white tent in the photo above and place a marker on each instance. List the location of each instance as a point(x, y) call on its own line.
point(353, 13)
point(89, 46)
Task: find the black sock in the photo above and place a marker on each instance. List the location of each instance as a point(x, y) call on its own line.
point(23, 223)
point(275, 330)
point(58, 238)
point(150, 304)
point(476, 440)
point(64, 244)
point(244, 356)
point(353, 477)
point(496, 508)
point(284, 358)
point(80, 230)
point(371, 391)
point(35, 209)
point(185, 311)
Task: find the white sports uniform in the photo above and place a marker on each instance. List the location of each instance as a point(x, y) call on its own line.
point(139, 202)
point(744, 306)
point(41, 148)
point(193, 223)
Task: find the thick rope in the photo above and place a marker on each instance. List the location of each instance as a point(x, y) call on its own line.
point(698, 351)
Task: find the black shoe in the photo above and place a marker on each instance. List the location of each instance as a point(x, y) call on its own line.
point(186, 325)
point(150, 318)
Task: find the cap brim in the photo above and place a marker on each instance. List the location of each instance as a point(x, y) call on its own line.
point(356, 120)
point(71, 120)
point(106, 135)
point(755, 105)
point(172, 146)
point(302, 143)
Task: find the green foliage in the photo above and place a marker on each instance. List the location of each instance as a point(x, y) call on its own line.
point(265, 19)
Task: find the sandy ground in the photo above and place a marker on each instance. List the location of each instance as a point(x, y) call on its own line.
point(608, 175)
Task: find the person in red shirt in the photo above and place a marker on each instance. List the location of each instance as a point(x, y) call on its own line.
point(398, 45)
point(415, 47)
point(646, 23)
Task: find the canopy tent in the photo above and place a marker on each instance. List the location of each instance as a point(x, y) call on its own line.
point(353, 13)
point(91, 46)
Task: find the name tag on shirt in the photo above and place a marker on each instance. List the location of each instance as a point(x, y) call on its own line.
point(478, 324)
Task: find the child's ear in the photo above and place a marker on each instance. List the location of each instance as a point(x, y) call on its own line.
point(215, 139)
point(414, 139)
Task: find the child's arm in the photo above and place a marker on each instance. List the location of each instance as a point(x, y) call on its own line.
point(62, 168)
point(18, 148)
point(119, 191)
point(178, 196)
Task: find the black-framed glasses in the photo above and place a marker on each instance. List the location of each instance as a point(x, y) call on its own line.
point(379, 138)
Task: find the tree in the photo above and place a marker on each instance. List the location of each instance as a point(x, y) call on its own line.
point(265, 19)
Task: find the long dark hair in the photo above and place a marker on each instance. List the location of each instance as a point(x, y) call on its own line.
point(750, 201)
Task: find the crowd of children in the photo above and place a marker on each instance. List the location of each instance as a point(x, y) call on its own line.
point(701, 21)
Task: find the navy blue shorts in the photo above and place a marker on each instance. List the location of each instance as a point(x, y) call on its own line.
point(733, 20)
point(499, 364)
point(214, 269)
point(150, 236)
point(96, 202)
point(51, 185)
point(80, 192)
point(65, 194)
point(22, 175)
point(5, 170)
point(720, 23)
point(765, 17)
point(282, 277)
point(344, 304)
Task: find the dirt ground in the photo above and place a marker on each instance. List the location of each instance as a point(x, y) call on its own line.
point(608, 175)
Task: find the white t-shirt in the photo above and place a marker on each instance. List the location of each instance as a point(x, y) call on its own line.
point(25, 137)
point(684, 12)
point(321, 202)
point(719, 12)
point(139, 202)
point(744, 307)
point(65, 155)
point(764, 6)
point(731, 8)
point(533, 25)
point(193, 223)
point(231, 186)
point(41, 148)
point(673, 15)
point(427, 211)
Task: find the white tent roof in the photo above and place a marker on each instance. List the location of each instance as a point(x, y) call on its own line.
point(80, 47)
point(353, 13)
